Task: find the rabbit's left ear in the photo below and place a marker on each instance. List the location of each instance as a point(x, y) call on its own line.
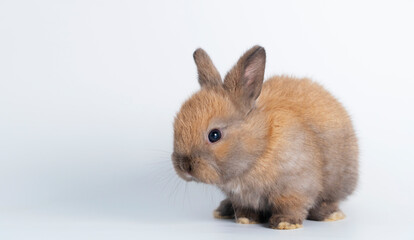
point(244, 81)
point(208, 76)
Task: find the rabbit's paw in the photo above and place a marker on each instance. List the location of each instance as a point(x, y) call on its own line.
point(335, 216)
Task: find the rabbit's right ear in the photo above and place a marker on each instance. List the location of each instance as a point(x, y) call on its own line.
point(208, 76)
point(244, 81)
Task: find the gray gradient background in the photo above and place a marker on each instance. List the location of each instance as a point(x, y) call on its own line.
point(89, 89)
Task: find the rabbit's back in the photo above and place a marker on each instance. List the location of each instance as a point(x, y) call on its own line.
point(323, 116)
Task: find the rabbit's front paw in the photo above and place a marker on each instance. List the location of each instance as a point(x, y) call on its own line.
point(244, 220)
point(335, 216)
point(284, 222)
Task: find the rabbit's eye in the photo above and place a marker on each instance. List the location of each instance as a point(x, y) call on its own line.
point(214, 135)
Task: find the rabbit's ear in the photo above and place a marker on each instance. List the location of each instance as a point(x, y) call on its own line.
point(208, 76)
point(244, 81)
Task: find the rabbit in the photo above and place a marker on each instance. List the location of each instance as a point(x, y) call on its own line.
point(281, 151)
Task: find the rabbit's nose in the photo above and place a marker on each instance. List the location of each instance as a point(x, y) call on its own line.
point(185, 165)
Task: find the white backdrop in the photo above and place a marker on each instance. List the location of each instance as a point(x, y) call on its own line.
point(89, 89)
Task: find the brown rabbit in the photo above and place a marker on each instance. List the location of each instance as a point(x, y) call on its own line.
point(281, 151)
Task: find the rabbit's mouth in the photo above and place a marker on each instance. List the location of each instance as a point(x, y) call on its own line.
point(189, 177)
point(195, 169)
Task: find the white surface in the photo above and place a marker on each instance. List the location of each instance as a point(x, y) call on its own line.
point(89, 89)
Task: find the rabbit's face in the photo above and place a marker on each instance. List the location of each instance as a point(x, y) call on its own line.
point(216, 138)
point(213, 141)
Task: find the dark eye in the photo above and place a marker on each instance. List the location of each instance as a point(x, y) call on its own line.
point(214, 135)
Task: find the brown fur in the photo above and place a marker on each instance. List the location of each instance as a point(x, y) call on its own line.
point(288, 149)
